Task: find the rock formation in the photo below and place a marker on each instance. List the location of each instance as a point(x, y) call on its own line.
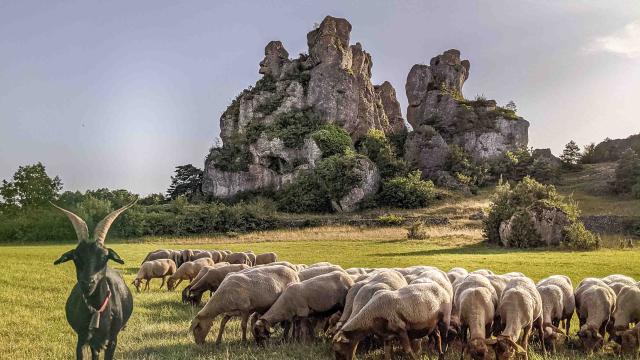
point(266, 131)
point(442, 117)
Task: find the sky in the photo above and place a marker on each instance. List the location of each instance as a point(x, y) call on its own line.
point(116, 94)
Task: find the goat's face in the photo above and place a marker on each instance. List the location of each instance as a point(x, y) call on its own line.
point(90, 259)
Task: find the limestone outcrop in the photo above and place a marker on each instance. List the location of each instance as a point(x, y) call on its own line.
point(267, 130)
point(441, 117)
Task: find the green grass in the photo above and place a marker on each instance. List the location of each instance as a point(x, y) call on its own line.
point(33, 291)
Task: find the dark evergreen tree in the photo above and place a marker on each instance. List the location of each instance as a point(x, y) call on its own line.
point(186, 182)
point(627, 172)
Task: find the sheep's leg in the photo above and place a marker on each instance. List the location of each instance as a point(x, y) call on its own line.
point(94, 354)
point(525, 341)
point(111, 348)
point(541, 335)
point(243, 324)
point(286, 329)
point(146, 286)
point(223, 322)
point(175, 286)
point(567, 326)
point(406, 345)
point(439, 344)
point(388, 349)
point(161, 285)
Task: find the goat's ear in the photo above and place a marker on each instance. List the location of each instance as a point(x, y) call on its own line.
point(65, 257)
point(112, 255)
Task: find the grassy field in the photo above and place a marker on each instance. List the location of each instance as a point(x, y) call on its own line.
point(33, 291)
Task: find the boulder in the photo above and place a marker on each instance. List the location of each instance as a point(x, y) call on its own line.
point(546, 156)
point(548, 222)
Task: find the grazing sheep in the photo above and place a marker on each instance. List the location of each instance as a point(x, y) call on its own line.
point(319, 264)
point(436, 275)
point(266, 258)
point(499, 283)
point(568, 299)
point(457, 273)
point(482, 272)
point(617, 278)
point(324, 294)
point(242, 293)
point(627, 312)
point(630, 341)
point(472, 281)
point(410, 312)
point(312, 272)
point(476, 306)
point(358, 271)
point(520, 309)
point(200, 254)
point(154, 269)
point(188, 271)
point(252, 258)
point(210, 281)
point(617, 287)
point(361, 292)
point(174, 255)
point(238, 258)
point(595, 302)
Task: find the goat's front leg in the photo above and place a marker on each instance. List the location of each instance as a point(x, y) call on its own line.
point(79, 346)
point(111, 348)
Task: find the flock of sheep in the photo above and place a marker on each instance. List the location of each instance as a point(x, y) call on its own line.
point(479, 312)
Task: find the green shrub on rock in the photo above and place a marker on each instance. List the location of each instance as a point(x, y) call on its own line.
point(377, 147)
point(337, 174)
point(304, 195)
point(578, 237)
point(332, 140)
point(407, 191)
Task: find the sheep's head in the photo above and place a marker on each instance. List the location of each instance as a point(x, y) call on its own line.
point(137, 283)
point(478, 348)
point(200, 328)
point(171, 284)
point(261, 331)
point(344, 348)
point(591, 340)
point(90, 256)
point(553, 337)
point(505, 348)
point(630, 341)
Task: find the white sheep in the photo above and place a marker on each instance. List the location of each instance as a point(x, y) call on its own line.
point(568, 306)
point(188, 271)
point(266, 258)
point(210, 280)
point(520, 310)
point(595, 303)
point(312, 272)
point(323, 294)
point(627, 312)
point(160, 268)
point(408, 313)
point(457, 273)
point(476, 305)
point(242, 293)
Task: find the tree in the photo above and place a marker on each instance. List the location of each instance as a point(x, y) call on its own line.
point(511, 105)
point(571, 155)
point(186, 182)
point(30, 187)
point(588, 154)
point(627, 172)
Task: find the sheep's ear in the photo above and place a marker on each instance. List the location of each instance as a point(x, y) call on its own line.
point(65, 257)
point(112, 255)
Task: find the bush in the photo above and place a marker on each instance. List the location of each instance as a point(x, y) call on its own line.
point(416, 231)
point(635, 191)
point(407, 191)
point(463, 168)
point(578, 237)
point(627, 172)
point(306, 194)
point(291, 127)
point(337, 175)
point(380, 150)
point(516, 202)
point(332, 140)
point(390, 220)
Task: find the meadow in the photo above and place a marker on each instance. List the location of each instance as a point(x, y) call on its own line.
point(33, 291)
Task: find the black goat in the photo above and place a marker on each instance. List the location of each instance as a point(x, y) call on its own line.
point(100, 304)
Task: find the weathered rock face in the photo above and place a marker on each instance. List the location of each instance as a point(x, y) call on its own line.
point(547, 156)
point(333, 83)
point(484, 130)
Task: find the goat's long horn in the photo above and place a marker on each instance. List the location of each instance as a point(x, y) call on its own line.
point(82, 232)
point(101, 230)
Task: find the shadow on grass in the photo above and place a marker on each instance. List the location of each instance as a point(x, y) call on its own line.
point(471, 249)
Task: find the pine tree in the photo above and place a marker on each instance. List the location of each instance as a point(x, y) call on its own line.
point(571, 155)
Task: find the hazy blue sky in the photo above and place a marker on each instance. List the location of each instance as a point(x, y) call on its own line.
point(116, 93)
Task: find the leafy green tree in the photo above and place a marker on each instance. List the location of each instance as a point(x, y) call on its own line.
point(30, 187)
point(589, 154)
point(377, 147)
point(627, 172)
point(186, 182)
point(571, 155)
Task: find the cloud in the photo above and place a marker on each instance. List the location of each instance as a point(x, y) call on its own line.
point(625, 42)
